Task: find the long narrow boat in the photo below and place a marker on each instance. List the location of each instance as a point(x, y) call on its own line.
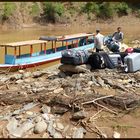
point(45, 55)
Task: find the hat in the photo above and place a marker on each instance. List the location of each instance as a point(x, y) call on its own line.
point(97, 30)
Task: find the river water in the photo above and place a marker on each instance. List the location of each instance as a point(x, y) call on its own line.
point(12, 35)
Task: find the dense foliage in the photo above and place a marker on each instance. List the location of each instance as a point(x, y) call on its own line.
point(54, 11)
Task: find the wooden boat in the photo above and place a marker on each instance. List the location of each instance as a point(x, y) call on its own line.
point(45, 55)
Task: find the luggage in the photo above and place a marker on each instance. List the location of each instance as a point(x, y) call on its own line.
point(132, 62)
point(74, 57)
point(129, 50)
point(137, 50)
point(100, 61)
point(116, 58)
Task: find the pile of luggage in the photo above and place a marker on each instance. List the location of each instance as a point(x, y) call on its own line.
point(128, 60)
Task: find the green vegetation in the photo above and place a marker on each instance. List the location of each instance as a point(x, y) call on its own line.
point(68, 11)
point(35, 9)
point(8, 10)
point(53, 11)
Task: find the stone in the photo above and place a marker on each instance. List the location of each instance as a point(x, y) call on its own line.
point(59, 110)
point(90, 83)
point(45, 135)
point(45, 116)
point(60, 126)
point(62, 74)
point(16, 131)
point(79, 115)
point(21, 71)
point(45, 109)
point(29, 106)
point(116, 135)
point(40, 127)
point(27, 81)
point(78, 133)
point(37, 74)
point(27, 74)
point(19, 81)
point(56, 91)
point(29, 113)
point(51, 129)
point(57, 135)
point(4, 79)
point(100, 81)
point(38, 119)
point(16, 77)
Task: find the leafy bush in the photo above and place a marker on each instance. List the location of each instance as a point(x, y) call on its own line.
point(122, 9)
point(90, 7)
point(8, 10)
point(53, 10)
point(35, 9)
point(106, 10)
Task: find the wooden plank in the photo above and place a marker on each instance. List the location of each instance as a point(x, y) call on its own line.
point(74, 36)
point(23, 43)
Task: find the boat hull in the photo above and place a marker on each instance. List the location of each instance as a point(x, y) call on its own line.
point(15, 67)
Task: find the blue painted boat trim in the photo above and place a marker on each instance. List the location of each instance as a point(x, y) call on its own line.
point(40, 56)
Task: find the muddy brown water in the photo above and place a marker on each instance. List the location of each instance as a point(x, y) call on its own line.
point(12, 35)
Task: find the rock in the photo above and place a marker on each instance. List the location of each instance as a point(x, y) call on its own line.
point(56, 91)
point(45, 135)
point(73, 69)
point(38, 119)
point(21, 71)
point(59, 110)
point(4, 79)
point(46, 117)
point(16, 77)
point(18, 131)
point(51, 129)
point(90, 83)
point(100, 81)
point(16, 112)
point(62, 74)
point(37, 74)
point(78, 133)
point(19, 81)
point(45, 109)
point(27, 81)
point(79, 115)
point(116, 135)
point(60, 126)
point(29, 113)
point(27, 74)
point(29, 106)
point(57, 135)
point(40, 127)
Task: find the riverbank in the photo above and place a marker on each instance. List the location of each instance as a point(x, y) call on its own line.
point(51, 104)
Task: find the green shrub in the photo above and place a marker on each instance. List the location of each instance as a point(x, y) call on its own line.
point(35, 9)
point(90, 7)
point(8, 10)
point(53, 10)
point(122, 8)
point(106, 10)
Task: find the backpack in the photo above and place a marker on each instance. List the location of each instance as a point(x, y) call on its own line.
point(100, 61)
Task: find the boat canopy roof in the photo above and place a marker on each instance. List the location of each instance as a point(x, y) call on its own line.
point(66, 37)
point(23, 43)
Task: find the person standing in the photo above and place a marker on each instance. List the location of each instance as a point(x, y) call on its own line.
point(98, 41)
point(118, 37)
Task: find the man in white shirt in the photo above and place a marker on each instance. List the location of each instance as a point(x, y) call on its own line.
point(98, 41)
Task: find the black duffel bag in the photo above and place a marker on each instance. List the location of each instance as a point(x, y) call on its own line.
point(100, 61)
point(136, 50)
point(74, 57)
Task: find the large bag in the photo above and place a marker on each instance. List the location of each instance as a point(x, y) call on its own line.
point(132, 62)
point(74, 57)
point(136, 50)
point(100, 61)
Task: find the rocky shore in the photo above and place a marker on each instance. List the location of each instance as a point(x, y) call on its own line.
point(50, 103)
